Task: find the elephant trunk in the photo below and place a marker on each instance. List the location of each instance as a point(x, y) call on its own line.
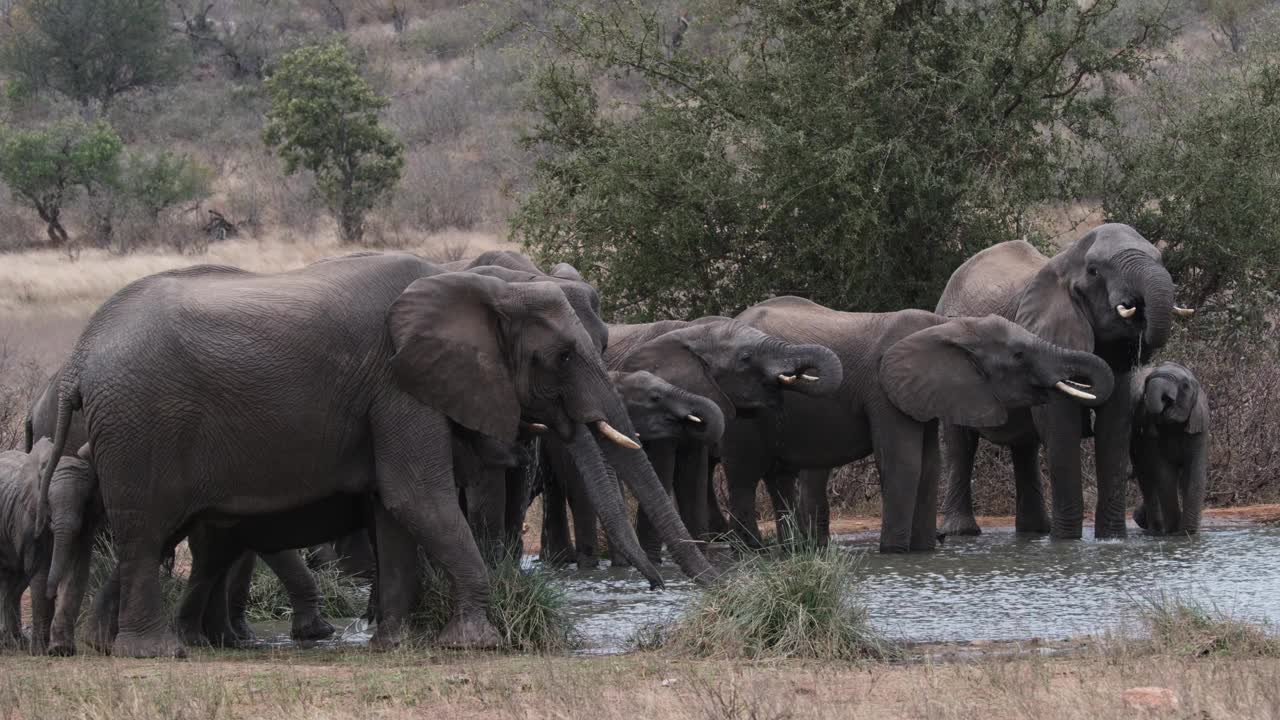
point(606, 499)
point(711, 425)
point(64, 542)
point(1149, 277)
point(1085, 369)
point(634, 469)
point(809, 369)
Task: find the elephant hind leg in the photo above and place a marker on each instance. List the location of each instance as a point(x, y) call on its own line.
point(959, 449)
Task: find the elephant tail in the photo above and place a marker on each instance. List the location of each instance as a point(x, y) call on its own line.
point(68, 402)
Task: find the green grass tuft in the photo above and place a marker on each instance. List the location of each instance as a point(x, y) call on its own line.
point(528, 608)
point(800, 605)
point(342, 596)
point(1177, 626)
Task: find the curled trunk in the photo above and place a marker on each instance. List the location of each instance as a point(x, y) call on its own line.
point(1150, 278)
point(1088, 369)
point(814, 361)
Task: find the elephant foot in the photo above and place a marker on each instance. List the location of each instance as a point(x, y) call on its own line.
point(960, 525)
point(587, 562)
point(894, 549)
point(240, 628)
point(385, 638)
point(97, 638)
point(556, 559)
point(469, 632)
point(154, 645)
point(61, 649)
point(192, 637)
point(317, 628)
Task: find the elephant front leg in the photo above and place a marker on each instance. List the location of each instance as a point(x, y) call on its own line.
point(1058, 424)
point(744, 463)
point(960, 446)
point(42, 607)
point(689, 480)
point(924, 521)
point(899, 452)
point(556, 543)
point(1111, 447)
point(781, 487)
point(307, 623)
point(1031, 516)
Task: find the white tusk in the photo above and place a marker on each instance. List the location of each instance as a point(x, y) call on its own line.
point(1126, 312)
point(1183, 312)
point(1068, 390)
point(1079, 385)
point(810, 378)
point(607, 430)
point(787, 379)
point(693, 419)
point(538, 427)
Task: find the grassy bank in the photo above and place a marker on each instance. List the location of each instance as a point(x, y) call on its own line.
point(356, 684)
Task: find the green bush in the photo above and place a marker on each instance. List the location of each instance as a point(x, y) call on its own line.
point(853, 152)
point(159, 181)
point(526, 608)
point(802, 604)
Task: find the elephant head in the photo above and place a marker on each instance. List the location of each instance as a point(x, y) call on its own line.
point(737, 366)
point(582, 297)
point(973, 371)
point(1169, 394)
point(488, 353)
point(662, 411)
point(1108, 293)
point(71, 494)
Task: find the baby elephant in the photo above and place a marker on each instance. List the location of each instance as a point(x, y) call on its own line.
point(1169, 447)
point(24, 558)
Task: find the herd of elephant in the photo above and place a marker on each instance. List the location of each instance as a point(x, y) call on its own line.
point(376, 404)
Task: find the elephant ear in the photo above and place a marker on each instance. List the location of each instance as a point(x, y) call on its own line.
point(931, 374)
point(671, 358)
point(1198, 420)
point(447, 334)
point(1047, 309)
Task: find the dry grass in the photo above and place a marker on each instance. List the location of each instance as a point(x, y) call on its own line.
point(44, 281)
point(355, 684)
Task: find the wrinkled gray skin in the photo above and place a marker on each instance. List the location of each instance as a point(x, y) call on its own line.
point(223, 623)
point(1069, 300)
point(663, 415)
point(902, 372)
point(358, 367)
point(1169, 448)
point(24, 555)
point(742, 370)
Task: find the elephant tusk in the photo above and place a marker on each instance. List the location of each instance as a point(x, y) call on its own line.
point(810, 378)
point(1079, 384)
point(693, 419)
point(1068, 390)
point(1183, 312)
point(608, 431)
point(1126, 312)
point(538, 427)
point(787, 379)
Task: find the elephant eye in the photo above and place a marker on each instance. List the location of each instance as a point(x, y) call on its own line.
point(563, 358)
point(1093, 272)
point(1017, 355)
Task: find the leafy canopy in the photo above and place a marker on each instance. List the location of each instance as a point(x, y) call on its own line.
point(850, 151)
point(92, 50)
point(44, 167)
point(324, 118)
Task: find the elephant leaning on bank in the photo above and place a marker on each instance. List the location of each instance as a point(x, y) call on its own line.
point(1169, 448)
point(24, 553)
point(1109, 294)
point(252, 394)
point(663, 415)
point(903, 370)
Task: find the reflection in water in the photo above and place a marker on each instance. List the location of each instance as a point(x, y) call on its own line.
point(998, 586)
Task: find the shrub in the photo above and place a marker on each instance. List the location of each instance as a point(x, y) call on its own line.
point(341, 596)
point(803, 604)
point(1176, 626)
point(324, 118)
point(161, 180)
point(526, 607)
point(815, 150)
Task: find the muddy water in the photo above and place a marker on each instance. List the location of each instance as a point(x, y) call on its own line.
point(998, 586)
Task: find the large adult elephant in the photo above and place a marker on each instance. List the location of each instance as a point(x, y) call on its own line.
point(741, 369)
point(1108, 293)
point(902, 371)
point(214, 392)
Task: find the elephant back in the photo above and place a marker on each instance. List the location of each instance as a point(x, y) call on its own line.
point(990, 282)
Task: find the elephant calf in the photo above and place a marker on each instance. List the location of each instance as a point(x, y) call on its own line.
point(1168, 446)
point(664, 416)
point(23, 560)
